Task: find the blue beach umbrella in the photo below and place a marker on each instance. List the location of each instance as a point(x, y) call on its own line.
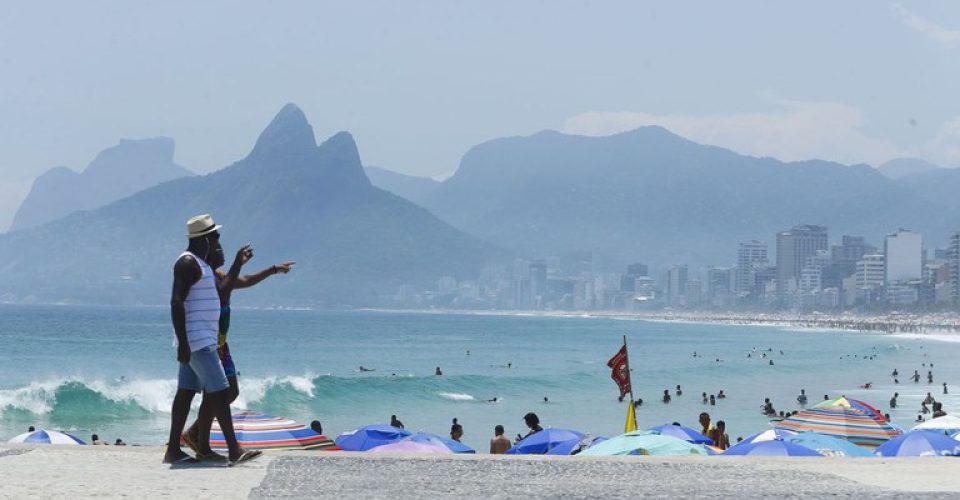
point(828, 446)
point(444, 442)
point(680, 432)
point(771, 448)
point(920, 444)
point(46, 437)
point(644, 443)
point(768, 435)
point(543, 441)
point(364, 438)
point(575, 445)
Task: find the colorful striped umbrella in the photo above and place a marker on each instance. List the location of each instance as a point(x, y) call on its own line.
point(257, 431)
point(845, 402)
point(859, 426)
point(46, 437)
point(920, 444)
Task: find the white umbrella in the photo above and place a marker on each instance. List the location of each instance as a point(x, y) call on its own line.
point(948, 424)
point(46, 437)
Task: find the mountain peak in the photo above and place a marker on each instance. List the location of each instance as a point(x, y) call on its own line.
point(341, 160)
point(289, 131)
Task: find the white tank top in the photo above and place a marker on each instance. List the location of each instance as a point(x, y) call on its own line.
point(202, 306)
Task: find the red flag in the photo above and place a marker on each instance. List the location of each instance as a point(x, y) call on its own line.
point(621, 370)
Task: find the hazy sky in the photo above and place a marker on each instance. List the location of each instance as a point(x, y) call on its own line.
point(418, 83)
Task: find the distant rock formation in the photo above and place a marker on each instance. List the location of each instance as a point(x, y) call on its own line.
point(415, 189)
point(354, 244)
point(117, 172)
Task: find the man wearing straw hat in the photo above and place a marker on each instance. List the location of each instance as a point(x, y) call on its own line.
point(195, 311)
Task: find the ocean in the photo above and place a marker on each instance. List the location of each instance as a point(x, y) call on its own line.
point(112, 371)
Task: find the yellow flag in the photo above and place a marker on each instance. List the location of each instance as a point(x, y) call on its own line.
point(631, 424)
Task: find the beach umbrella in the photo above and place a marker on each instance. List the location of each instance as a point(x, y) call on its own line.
point(541, 442)
point(771, 448)
point(644, 443)
point(257, 431)
point(920, 444)
point(947, 424)
point(828, 446)
point(768, 435)
point(371, 436)
point(445, 442)
point(685, 433)
point(408, 446)
point(46, 437)
point(859, 426)
point(575, 445)
point(856, 404)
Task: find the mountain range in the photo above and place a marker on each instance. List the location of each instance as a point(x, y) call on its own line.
point(117, 172)
point(360, 235)
point(292, 199)
point(651, 196)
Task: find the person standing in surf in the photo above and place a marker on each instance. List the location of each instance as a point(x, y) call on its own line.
point(195, 313)
point(226, 283)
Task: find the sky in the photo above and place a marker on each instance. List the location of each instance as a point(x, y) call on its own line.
point(420, 82)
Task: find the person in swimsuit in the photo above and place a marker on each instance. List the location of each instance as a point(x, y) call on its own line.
point(226, 283)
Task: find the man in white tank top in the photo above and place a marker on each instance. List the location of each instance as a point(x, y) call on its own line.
point(195, 311)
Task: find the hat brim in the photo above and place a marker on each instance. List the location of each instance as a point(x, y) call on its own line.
point(205, 232)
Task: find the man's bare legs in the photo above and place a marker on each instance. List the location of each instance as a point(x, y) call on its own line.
point(178, 418)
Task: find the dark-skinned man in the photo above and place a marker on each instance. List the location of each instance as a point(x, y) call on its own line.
point(195, 312)
point(197, 440)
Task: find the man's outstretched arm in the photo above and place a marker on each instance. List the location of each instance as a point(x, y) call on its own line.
point(249, 280)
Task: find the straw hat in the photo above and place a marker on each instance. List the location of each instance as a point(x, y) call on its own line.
point(201, 225)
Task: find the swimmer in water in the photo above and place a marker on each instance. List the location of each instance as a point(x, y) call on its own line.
point(365, 369)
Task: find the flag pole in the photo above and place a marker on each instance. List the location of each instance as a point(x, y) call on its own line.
point(630, 376)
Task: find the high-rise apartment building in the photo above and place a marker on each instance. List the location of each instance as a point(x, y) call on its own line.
point(676, 284)
point(793, 249)
point(904, 257)
point(751, 255)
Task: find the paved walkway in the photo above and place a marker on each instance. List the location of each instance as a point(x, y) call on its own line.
point(365, 476)
point(136, 472)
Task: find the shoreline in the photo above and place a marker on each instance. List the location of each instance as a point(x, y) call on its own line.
point(943, 324)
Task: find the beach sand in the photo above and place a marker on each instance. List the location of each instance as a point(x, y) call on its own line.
point(136, 472)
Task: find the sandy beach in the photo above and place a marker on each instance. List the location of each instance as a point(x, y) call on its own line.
point(936, 326)
point(114, 472)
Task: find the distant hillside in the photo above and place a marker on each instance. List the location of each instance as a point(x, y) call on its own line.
point(902, 167)
point(940, 186)
point(117, 172)
point(649, 195)
point(413, 188)
point(354, 244)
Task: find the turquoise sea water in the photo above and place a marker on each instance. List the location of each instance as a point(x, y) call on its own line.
point(112, 370)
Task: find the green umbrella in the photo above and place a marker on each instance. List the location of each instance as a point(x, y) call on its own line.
point(644, 443)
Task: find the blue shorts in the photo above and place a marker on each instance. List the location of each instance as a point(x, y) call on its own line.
point(204, 372)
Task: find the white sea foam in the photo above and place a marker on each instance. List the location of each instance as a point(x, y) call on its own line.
point(253, 390)
point(937, 337)
point(457, 396)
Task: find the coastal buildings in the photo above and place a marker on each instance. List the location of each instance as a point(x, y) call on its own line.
point(793, 249)
point(751, 256)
